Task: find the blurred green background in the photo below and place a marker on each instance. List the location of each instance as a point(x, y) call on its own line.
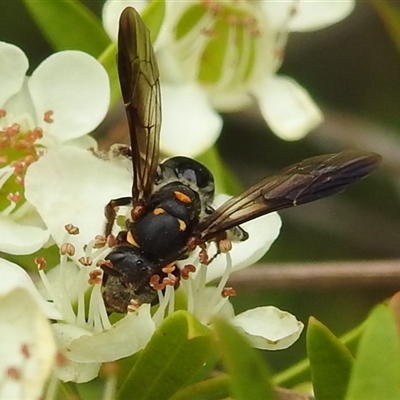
point(352, 70)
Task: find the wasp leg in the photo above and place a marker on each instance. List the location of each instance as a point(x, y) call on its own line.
point(110, 212)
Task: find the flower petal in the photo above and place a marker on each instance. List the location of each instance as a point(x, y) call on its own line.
point(190, 125)
point(19, 238)
point(126, 337)
point(287, 108)
point(84, 185)
point(306, 15)
point(74, 86)
point(27, 347)
point(13, 67)
point(14, 277)
point(112, 10)
point(71, 371)
point(269, 328)
point(262, 233)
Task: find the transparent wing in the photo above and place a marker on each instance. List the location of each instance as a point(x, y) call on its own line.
point(140, 87)
point(303, 182)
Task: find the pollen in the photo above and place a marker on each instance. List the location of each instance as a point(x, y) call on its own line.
point(158, 211)
point(182, 197)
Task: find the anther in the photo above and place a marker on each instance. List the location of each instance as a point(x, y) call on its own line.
point(67, 249)
point(100, 241)
point(40, 263)
point(13, 373)
point(155, 283)
point(85, 261)
point(25, 350)
point(133, 305)
point(72, 229)
point(14, 197)
point(186, 270)
point(3, 113)
point(48, 116)
point(224, 246)
point(110, 368)
point(19, 180)
point(61, 360)
point(95, 277)
point(169, 268)
point(105, 263)
point(228, 292)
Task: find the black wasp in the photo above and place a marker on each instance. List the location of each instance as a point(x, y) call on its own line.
point(171, 210)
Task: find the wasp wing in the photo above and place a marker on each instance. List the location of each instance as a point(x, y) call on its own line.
point(140, 87)
point(303, 182)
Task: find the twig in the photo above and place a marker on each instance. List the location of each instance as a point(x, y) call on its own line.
point(318, 275)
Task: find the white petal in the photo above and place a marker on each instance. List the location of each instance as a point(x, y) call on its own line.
point(262, 233)
point(190, 126)
point(126, 337)
point(75, 87)
point(27, 347)
point(287, 108)
point(309, 14)
point(231, 102)
point(14, 277)
point(13, 67)
point(78, 372)
point(17, 238)
point(112, 10)
point(70, 185)
point(72, 371)
point(269, 328)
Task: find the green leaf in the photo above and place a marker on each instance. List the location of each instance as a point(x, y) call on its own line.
point(176, 351)
point(330, 362)
point(249, 377)
point(153, 16)
point(109, 61)
point(69, 25)
point(376, 371)
point(225, 181)
point(216, 388)
point(390, 15)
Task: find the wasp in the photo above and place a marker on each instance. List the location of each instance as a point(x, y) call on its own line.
point(171, 210)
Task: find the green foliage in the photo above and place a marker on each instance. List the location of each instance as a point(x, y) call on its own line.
point(176, 351)
point(69, 25)
point(330, 362)
point(390, 14)
point(249, 377)
point(376, 372)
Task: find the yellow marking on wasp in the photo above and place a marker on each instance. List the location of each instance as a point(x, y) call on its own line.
point(182, 225)
point(182, 197)
point(158, 211)
point(131, 240)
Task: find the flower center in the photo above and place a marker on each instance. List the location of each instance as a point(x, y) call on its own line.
point(18, 150)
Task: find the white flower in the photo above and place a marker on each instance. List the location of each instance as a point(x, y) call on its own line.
point(232, 51)
point(88, 184)
point(86, 339)
point(66, 97)
point(27, 347)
